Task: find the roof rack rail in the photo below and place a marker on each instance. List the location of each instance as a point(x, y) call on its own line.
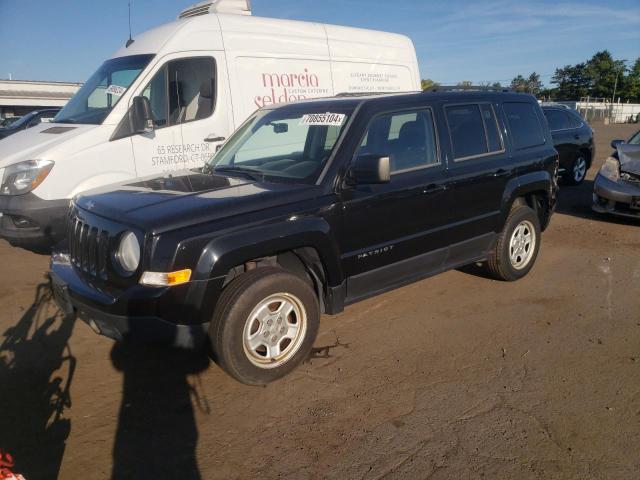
point(468, 88)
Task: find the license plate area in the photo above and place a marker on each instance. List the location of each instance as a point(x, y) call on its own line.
point(61, 295)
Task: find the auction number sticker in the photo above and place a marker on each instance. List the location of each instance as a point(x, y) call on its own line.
point(328, 119)
point(115, 90)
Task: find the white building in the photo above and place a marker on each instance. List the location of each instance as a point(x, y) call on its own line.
point(19, 97)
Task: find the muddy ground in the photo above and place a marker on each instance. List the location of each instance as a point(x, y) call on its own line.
point(456, 376)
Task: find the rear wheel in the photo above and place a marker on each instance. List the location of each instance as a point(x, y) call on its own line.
point(578, 171)
point(264, 326)
point(517, 247)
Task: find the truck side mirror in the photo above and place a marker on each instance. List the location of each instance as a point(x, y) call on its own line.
point(141, 115)
point(616, 143)
point(369, 169)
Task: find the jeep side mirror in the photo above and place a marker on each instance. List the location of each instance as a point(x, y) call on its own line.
point(616, 143)
point(369, 169)
point(141, 115)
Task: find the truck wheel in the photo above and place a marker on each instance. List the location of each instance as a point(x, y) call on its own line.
point(578, 171)
point(517, 247)
point(264, 325)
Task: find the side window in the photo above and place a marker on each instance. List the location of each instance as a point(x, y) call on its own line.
point(574, 122)
point(524, 125)
point(408, 137)
point(466, 128)
point(156, 92)
point(192, 87)
point(557, 120)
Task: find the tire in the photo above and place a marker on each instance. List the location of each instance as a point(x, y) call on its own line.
point(578, 170)
point(248, 329)
point(501, 264)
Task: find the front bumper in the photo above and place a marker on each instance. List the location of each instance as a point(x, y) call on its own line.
point(29, 222)
point(139, 313)
point(617, 198)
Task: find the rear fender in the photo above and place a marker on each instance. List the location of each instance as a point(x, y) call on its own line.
point(533, 182)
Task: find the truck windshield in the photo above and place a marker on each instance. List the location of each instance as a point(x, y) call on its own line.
point(97, 97)
point(289, 144)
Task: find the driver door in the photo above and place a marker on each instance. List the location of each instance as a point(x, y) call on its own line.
point(187, 125)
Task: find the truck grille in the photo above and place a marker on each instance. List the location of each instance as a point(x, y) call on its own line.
point(88, 247)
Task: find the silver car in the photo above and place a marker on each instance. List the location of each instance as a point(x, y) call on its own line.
point(617, 185)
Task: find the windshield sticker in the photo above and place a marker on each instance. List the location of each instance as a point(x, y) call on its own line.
point(328, 119)
point(115, 90)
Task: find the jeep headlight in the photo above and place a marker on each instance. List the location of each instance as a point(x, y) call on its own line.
point(127, 255)
point(611, 169)
point(23, 177)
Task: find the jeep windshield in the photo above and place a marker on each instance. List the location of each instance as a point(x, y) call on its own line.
point(290, 144)
point(97, 97)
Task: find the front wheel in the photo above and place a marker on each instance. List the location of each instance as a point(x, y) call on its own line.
point(264, 325)
point(517, 246)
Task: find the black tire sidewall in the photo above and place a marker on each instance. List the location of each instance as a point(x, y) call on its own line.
point(228, 346)
point(520, 214)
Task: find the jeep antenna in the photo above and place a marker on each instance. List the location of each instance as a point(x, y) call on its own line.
point(130, 41)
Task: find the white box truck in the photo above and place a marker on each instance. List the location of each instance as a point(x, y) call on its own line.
point(166, 100)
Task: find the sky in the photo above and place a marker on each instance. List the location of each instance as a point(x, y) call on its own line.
point(479, 41)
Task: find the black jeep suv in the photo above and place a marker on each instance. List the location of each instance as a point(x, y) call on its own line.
point(307, 208)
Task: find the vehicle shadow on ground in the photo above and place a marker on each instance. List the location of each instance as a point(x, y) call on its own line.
point(575, 200)
point(36, 371)
point(157, 434)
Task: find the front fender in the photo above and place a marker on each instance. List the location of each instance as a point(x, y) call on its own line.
point(223, 253)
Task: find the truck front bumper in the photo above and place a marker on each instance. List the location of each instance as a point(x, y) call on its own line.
point(140, 313)
point(29, 222)
point(617, 198)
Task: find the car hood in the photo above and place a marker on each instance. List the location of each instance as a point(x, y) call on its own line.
point(629, 156)
point(158, 204)
point(35, 142)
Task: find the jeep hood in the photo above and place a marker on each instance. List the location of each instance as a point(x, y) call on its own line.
point(629, 156)
point(36, 142)
point(159, 204)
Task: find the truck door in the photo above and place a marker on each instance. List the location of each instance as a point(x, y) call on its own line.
point(189, 118)
point(204, 112)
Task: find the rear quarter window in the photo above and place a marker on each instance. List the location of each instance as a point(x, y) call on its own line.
point(524, 125)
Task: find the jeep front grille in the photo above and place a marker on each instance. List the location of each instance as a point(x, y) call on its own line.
point(88, 247)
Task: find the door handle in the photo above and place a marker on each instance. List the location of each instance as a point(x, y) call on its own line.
point(214, 138)
point(501, 172)
point(433, 188)
point(577, 137)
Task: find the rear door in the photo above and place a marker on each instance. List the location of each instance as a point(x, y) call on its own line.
point(480, 170)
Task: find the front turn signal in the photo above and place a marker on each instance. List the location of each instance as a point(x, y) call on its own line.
point(161, 279)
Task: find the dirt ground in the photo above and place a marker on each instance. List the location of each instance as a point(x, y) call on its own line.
point(456, 376)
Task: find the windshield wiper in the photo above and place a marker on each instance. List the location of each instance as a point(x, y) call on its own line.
point(253, 174)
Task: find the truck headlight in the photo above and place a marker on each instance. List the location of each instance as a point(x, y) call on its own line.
point(23, 177)
point(128, 253)
point(611, 169)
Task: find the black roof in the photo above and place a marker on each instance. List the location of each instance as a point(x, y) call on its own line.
point(385, 99)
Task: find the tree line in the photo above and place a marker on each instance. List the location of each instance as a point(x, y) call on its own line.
point(601, 76)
